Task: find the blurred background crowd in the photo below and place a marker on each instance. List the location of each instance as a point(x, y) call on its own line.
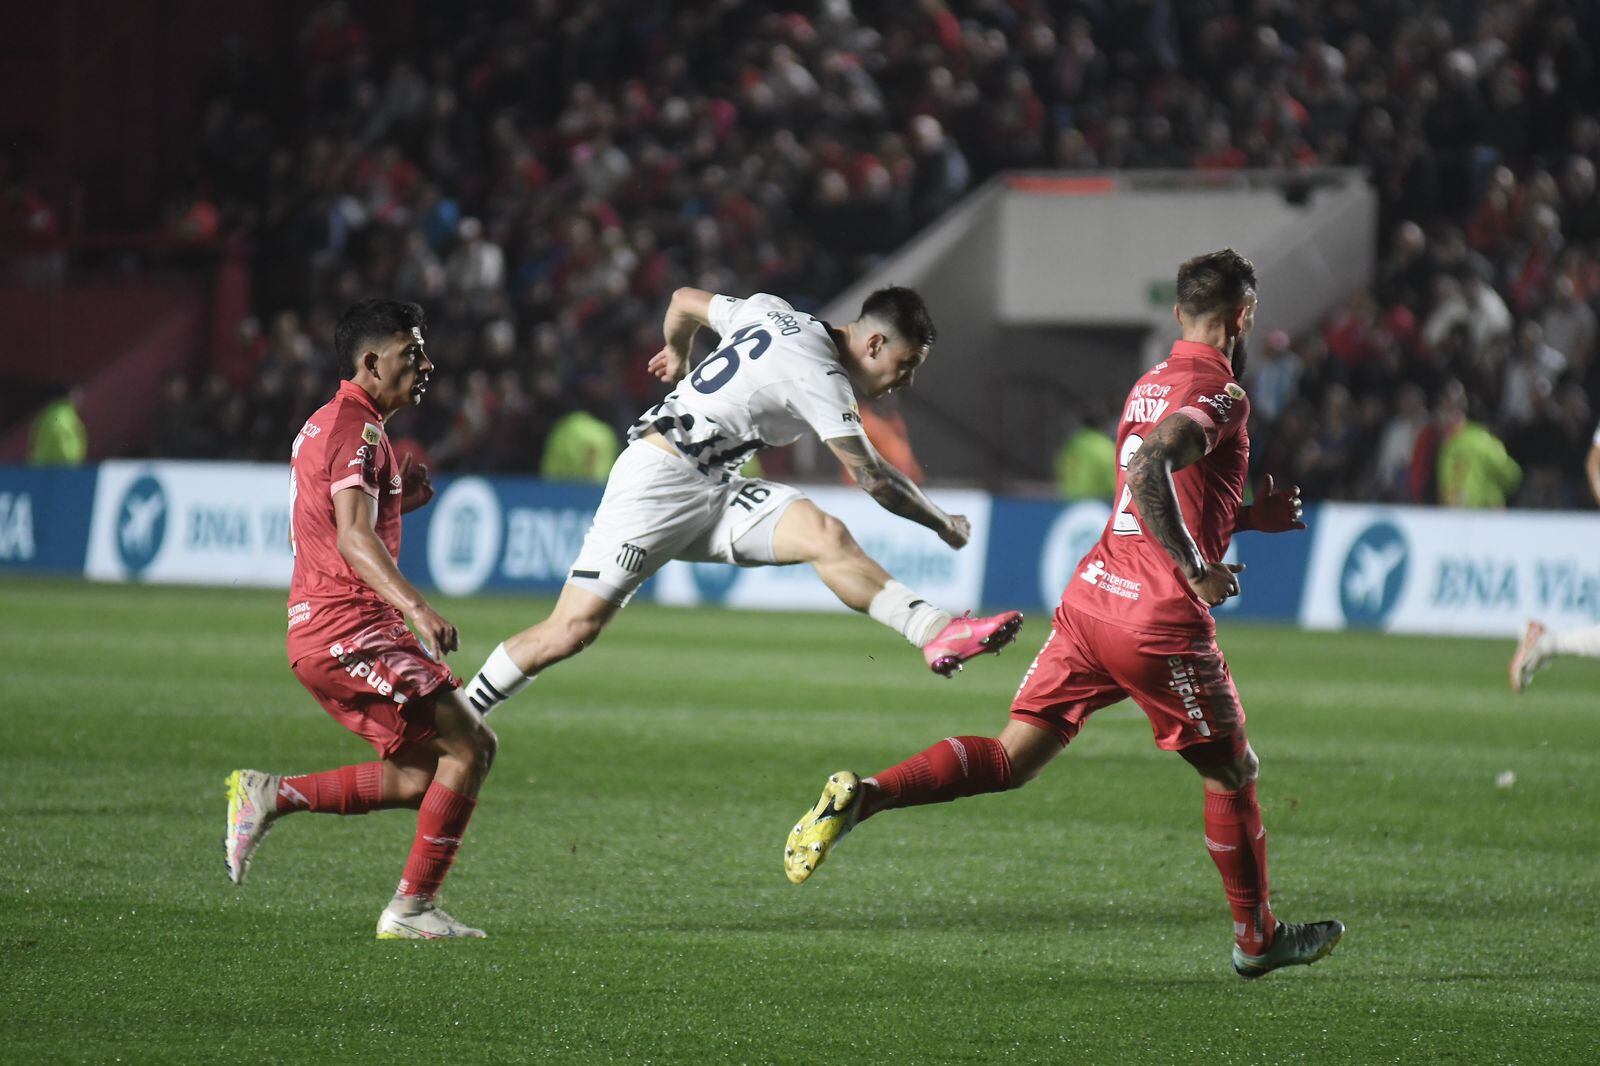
point(542, 175)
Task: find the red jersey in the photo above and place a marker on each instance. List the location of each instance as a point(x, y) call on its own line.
point(1128, 579)
point(340, 447)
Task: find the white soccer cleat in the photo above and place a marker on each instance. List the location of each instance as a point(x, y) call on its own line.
point(252, 810)
point(1529, 657)
point(430, 923)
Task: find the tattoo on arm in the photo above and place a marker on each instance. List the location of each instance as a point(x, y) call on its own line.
point(889, 486)
point(1176, 443)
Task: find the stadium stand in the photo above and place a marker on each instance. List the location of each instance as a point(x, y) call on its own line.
point(542, 176)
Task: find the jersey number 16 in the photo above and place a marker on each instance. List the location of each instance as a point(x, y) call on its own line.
point(717, 369)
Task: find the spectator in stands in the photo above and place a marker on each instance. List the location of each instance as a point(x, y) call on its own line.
point(1474, 468)
point(58, 436)
point(1397, 445)
point(1086, 462)
point(606, 168)
point(580, 447)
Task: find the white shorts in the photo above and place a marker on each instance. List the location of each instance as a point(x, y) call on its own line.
point(657, 508)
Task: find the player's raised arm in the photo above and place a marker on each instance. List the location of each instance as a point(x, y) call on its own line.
point(895, 492)
point(689, 310)
point(356, 518)
point(1178, 441)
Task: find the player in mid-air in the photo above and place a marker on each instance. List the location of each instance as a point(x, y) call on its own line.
point(1135, 621)
point(674, 493)
point(348, 642)
point(1539, 642)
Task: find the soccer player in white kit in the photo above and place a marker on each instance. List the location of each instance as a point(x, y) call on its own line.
point(1539, 642)
point(675, 493)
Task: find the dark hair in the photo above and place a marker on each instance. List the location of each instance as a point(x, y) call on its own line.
point(1214, 283)
point(904, 312)
point(368, 320)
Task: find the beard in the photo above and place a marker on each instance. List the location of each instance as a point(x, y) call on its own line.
point(1240, 357)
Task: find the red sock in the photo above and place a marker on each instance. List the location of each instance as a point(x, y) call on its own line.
point(952, 768)
point(1238, 845)
point(440, 823)
point(347, 790)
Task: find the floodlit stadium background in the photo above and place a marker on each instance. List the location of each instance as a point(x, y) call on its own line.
point(190, 193)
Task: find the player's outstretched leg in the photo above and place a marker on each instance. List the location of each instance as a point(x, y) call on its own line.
point(950, 769)
point(575, 623)
point(807, 534)
point(1530, 655)
point(823, 826)
point(1293, 944)
point(252, 809)
point(967, 638)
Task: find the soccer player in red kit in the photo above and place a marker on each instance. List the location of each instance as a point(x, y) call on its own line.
point(348, 642)
point(1135, 621)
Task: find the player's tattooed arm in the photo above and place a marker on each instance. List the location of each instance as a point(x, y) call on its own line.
point(689, 310)
point(1176, 443)
point(895, 492)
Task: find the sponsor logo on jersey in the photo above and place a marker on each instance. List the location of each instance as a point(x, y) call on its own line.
point(631, 558)
point(1221, 403)
point(371, 433)
point(299, 613)
point(850, 416)
point(1097, 575)
point(1188, 688)
point(1234, 389)
point(395, 485)
point(359, 667)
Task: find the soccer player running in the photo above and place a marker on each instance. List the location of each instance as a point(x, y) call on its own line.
point(1539, 643)
point(1136, 622)
point(675, 493)
point(348, 642)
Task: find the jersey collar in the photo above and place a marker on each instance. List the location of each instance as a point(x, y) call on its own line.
point(350, 390)
point(1201, 350)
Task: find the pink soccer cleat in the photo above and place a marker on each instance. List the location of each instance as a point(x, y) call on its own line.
point(968, 637)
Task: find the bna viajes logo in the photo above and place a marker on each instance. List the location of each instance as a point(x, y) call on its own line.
point(141, 523)
point(464, 536)
point(1374, 574)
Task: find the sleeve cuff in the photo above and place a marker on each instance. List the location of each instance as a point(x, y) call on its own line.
point(352, 482)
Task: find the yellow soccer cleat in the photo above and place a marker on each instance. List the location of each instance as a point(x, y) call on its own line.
point(824, 825)
point(252, 808)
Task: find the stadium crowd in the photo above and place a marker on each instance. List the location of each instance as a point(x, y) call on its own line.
point(541, 176)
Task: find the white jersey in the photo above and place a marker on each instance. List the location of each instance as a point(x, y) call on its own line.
point(776, 374)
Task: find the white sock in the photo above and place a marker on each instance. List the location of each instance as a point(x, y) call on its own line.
point(1574, 642)
point(497, 681)
point(899, 608)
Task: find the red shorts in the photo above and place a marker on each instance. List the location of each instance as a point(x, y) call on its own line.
point(377, 685)
point(1180, 681)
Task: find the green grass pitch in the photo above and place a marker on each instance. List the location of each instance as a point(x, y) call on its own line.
point(626, 856)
